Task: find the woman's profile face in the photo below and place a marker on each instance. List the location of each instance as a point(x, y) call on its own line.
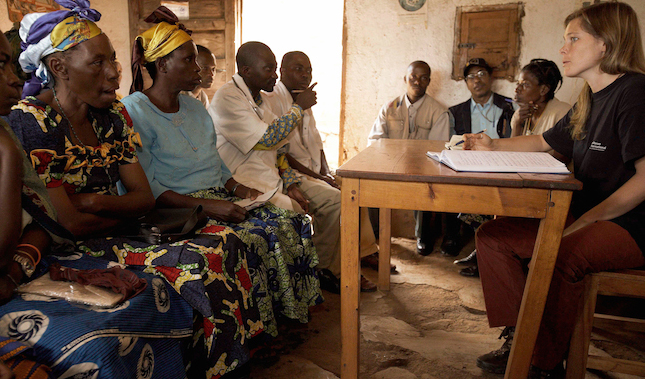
point(582, 52)
point(528, 88)
point(182, 67)
point(92, 72)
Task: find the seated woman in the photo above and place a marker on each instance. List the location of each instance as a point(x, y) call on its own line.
point(604, 136)
point(17, 249)
point(38, 331)
point(80, 141)
point(184, 168)
point(535, 94)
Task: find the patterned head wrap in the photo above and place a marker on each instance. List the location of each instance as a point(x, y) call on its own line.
point(46, 33)
point(156, 42)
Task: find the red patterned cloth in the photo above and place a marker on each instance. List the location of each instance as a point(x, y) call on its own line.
point(115, 278)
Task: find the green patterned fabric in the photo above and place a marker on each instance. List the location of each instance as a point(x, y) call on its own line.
point(282, 259)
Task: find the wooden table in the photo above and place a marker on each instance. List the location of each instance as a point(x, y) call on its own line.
point(396, 174)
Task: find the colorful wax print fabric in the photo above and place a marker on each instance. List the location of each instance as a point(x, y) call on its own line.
point(142, 337)
point(282, 259)
point(212, 275)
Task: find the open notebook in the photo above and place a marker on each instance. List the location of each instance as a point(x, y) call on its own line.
point(499, 161)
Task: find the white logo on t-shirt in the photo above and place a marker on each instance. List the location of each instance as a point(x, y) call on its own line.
point(597, 146)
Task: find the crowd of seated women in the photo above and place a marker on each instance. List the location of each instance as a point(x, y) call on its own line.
point(206, 296)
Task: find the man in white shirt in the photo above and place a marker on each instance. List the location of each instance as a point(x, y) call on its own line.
point(414, 115)
point(249, 138)
point(305, 148)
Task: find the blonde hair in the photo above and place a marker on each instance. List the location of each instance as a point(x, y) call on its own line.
point(616, 24)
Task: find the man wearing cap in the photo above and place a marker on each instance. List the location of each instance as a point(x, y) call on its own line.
point(414, 115)
point(485, 112)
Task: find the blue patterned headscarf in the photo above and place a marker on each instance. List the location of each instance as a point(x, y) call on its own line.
point(36, 34)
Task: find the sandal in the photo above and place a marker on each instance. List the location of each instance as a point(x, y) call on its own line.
point(371, 261)
point(367, 285)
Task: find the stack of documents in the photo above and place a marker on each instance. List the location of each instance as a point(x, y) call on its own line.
point(499, 161)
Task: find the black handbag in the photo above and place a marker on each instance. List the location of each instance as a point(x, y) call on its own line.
point(169, 225)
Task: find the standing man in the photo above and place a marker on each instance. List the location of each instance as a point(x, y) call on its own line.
point(249, 136)
point(485, 112)
point(205, 60)
point(414, 115)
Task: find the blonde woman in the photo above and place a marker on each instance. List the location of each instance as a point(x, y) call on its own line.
point(604, 136)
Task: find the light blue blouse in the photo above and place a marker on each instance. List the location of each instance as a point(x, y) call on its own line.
point(179, 149)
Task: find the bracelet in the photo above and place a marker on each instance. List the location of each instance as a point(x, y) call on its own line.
point(235, 187)
point(34, 248)
point(13, 280)
point(26, 255)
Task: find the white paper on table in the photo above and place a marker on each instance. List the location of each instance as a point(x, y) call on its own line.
point(249, 204)
point(499, 161)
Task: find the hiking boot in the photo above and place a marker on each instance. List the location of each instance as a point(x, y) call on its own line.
point(495, 361)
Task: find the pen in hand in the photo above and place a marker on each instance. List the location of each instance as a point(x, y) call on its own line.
point(463, 140)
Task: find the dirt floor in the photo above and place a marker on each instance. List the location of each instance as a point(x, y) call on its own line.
point(431, 324)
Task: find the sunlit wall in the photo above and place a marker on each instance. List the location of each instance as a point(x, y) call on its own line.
point(314, 27)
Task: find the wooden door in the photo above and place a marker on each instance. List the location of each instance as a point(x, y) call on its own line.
point(489, 32)
point(215, 25)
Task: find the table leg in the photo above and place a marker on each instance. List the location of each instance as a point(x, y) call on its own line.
point(537, 285)
point(384, 232)
point(349, 279)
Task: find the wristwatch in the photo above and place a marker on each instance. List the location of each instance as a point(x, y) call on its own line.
point(25, 264)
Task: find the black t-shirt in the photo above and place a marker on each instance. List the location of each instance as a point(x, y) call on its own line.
point(604, 159)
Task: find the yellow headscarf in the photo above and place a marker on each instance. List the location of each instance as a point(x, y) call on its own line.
point(161, 40)
point(72, 31)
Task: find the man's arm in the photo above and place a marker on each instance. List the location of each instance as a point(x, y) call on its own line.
point(280, 128)
point(291, 182)
point(293, 162)
point(379, 128)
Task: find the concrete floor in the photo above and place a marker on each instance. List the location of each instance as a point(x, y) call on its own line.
point(431, 324)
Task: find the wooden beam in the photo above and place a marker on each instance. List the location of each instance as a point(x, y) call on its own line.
point(616, 365)
point(342, 156)
point(229, 37)
point(516, 202)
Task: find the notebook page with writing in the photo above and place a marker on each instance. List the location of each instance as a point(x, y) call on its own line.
point(500, 161)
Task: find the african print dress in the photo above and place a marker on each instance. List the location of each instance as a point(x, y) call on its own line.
point(211, 274)
point(179, 154)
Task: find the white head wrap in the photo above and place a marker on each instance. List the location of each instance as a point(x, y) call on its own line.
point(31, 58)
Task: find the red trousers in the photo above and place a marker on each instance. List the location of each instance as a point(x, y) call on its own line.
point(504, 248)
